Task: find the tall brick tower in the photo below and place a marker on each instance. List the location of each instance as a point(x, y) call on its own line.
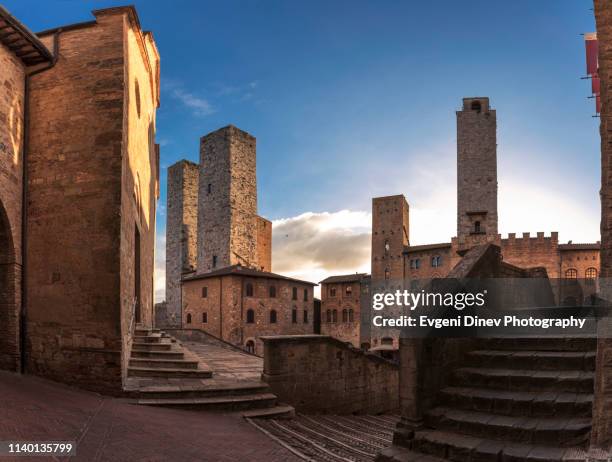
point(476, 173)
point(389, 237)
point(181, 233)
point(227, 212)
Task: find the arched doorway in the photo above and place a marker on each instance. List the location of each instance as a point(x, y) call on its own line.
point(9, 316)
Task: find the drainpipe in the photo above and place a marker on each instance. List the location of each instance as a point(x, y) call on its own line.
point(24, 202)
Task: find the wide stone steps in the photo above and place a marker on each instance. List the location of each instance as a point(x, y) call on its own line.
point(518, 403)
point(225, 403)
point(165, 354)
point(533, 359)
point(199, 373)
point(163, 363)
point(163, 373)
point(553, 431)
point(201, 391)
point(524, 379)
point(457, 447)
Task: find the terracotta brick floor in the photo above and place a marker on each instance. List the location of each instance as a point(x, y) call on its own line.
point(108, 429)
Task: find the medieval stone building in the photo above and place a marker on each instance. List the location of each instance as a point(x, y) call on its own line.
point(342, 298)
point(79, 172)
point(219, 250)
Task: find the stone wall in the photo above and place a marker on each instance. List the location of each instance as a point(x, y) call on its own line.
point(390, 234)
point(427, 267)
point(12, 84)
point(226, 305)
point(227, 227)
point(92, 182)
point(181, 234)
point(319, 374)
point(139, 179)
point(476, 172)
point(528, 251)
point(602, 407)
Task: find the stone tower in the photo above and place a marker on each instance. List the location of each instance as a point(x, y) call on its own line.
point(227, 212)
point(181, 233)
point(476, 173)
point(389, 237)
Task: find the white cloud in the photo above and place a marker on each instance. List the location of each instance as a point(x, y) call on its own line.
point(160, 268)
point(200, 106)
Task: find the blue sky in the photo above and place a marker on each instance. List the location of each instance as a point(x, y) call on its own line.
point(354, 99)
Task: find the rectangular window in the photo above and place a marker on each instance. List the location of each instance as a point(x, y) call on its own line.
point(294, 316)
point(305, 295)
point(294, 294)
point(209, 188)
point(204, 292)
point(332, 291)
point(305, 316)
point(204, 318)
point(214, 262)
point(349, 291)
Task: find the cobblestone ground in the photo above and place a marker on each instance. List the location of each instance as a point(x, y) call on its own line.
point(108, 429)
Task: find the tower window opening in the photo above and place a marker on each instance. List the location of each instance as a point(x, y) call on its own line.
point(477, 228)
point(476, 106)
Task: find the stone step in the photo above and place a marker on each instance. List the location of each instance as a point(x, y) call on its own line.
point(201, 373)
point(524, 380)
point(148, 339)
point(276, 412)
point(550, 431)
point(163, 363)
point(146, 331)
point(459, 448)
point(540, 344)
point(139, 346)
point(202, 391)
point(533, 359)
point(172, 354)
point(400, 454)
point(225, 403)
point(518, 403)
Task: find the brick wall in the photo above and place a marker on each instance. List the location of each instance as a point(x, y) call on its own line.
point(319, 374)
point(602, 407)
point(340, 325)
point(92, 183)
point(12, 82)
point(226, 305)
point(264, 244)
point(528, 251)
point(181, 234)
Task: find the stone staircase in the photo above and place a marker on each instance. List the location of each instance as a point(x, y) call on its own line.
point(513, 400)
point(163, 373)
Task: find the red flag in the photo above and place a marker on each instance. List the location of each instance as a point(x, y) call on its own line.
point(591, 45)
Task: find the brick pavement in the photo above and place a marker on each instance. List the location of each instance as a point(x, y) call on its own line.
point(110, 429)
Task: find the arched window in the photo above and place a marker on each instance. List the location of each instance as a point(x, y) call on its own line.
point(204, 317)
point(335, 316)
point(436, 261)
point(273, 317)
point(272, 291)
point(387, 274)
point(476, 106)
point(348, 291)
point(351, 316)
point(250, 316)
point(294, 316)
point(591, 273)
point(332, 291)
point(250, 346)
point(188, 318)
point(571, 273)
point(249, 289)
point(328, 318)
point(345, 315)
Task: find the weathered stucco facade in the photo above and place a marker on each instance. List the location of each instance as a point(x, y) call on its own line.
point(91, 165)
